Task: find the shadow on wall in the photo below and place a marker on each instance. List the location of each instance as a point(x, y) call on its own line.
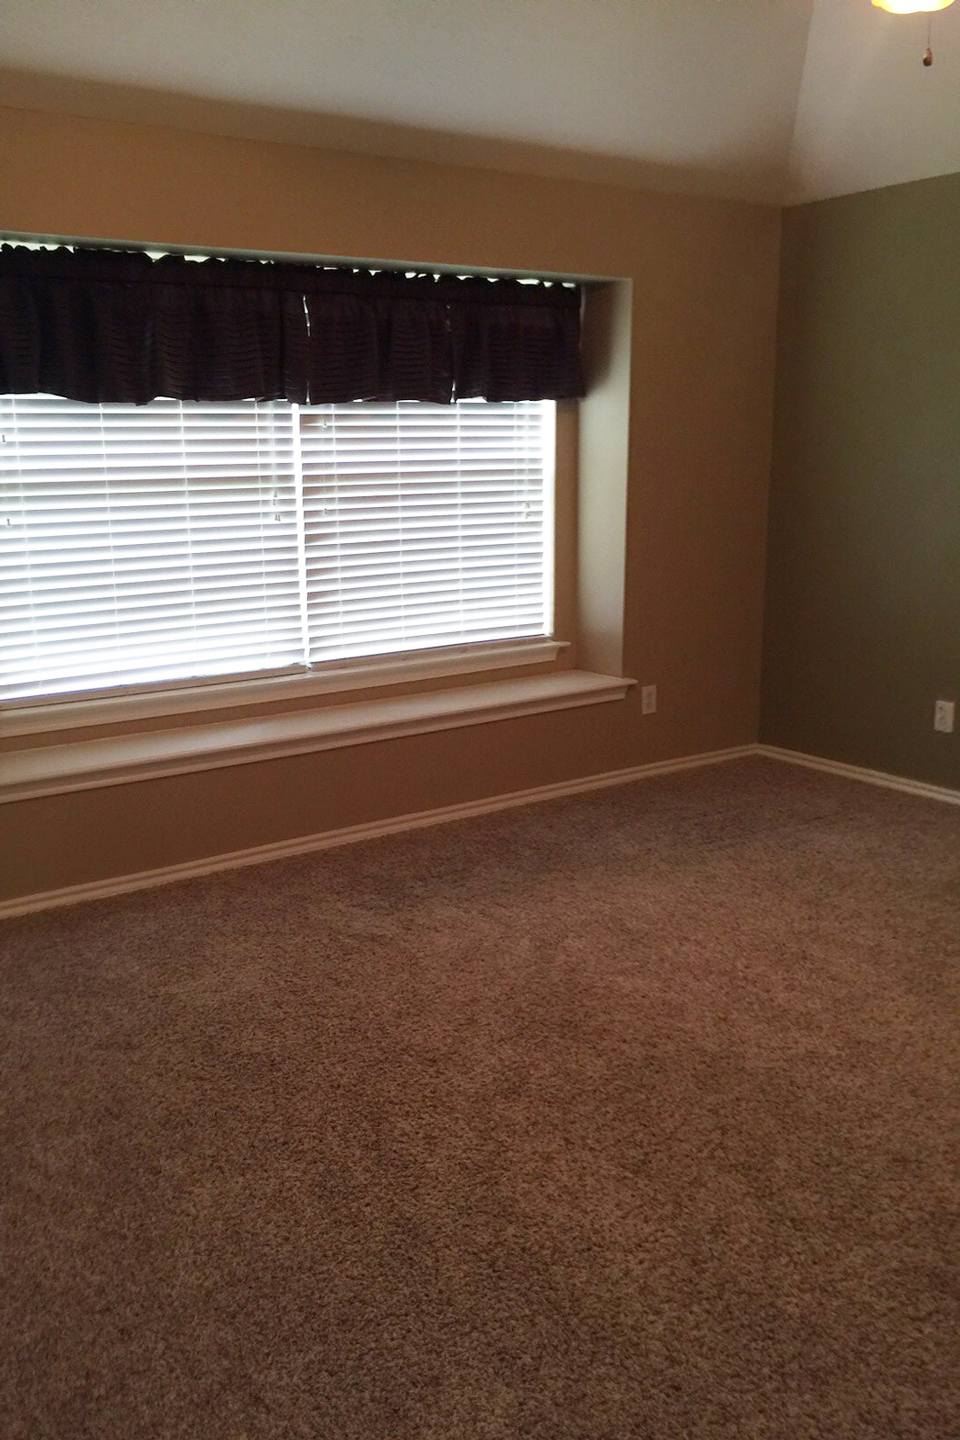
point(75, 95)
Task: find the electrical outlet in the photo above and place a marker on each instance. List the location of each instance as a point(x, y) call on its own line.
point(943, 716)
point(648, 700)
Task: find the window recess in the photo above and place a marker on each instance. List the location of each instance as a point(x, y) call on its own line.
point(199, 568)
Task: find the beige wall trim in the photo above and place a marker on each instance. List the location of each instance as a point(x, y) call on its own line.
point(155, 754)
point(351, 834)
point(857, 772)
point(304, 844)
point(330, 680)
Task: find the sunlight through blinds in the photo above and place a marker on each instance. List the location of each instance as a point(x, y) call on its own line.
point(183, 540)
point(425, 524)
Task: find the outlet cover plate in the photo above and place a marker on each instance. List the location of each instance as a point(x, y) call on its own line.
point(943, 713)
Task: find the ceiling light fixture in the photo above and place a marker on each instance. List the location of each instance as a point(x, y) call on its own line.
point(916, 7)
point(911, 7)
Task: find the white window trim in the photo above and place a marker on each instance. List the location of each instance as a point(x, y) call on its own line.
point(36, 717)
point(124, 759)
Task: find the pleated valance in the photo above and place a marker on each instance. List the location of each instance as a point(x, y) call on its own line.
point(103, 325)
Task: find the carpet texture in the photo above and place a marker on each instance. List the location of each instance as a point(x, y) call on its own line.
point(629, 1115)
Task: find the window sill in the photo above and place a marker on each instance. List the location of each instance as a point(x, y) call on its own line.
point(28, 718)
point(119, 760)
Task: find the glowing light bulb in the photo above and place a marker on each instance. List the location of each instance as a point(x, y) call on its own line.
point(911, 7)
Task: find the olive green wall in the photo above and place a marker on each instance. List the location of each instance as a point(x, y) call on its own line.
point(862, 626)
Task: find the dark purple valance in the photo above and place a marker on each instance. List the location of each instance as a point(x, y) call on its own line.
point(107, 325)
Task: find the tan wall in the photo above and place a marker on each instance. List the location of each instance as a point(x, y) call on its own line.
point(704, 287)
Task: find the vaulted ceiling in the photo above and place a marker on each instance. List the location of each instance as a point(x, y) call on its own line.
point(773, 100)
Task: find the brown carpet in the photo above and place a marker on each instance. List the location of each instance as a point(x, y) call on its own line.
point(631, 1115)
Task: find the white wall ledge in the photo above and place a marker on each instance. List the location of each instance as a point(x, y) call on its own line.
point(148, 755)
point(65, 712)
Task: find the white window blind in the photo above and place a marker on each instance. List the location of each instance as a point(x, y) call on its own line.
point(177, 541)
point(144, 544)
point(424, 525)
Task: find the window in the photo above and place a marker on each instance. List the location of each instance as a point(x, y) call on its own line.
point(179, 541)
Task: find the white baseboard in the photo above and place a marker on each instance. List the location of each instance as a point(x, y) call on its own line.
point(858, 772)
point(351, 834)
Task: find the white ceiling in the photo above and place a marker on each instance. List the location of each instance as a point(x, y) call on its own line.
point(869, 112)
point(775, 100)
